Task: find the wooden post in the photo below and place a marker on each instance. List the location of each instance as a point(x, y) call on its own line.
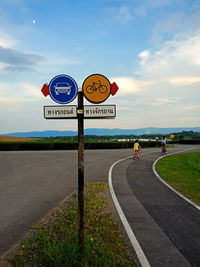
point(80, 114)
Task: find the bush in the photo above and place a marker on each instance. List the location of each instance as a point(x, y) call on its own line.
point(9, 146)
point(36, 146)
point(65, 146)
point(49, 145)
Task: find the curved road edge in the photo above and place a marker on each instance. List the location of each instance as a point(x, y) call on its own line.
point(139, 252)
point(168, 185)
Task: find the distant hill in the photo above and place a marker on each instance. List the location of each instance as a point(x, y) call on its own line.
point(104, 131)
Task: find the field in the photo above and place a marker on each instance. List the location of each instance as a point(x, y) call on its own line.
point(4, 138)
point(183, 173)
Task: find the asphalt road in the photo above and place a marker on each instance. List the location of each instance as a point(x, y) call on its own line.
point(32, 183)
point(166, 226)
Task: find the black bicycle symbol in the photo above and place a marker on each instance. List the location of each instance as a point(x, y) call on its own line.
point(96, 86)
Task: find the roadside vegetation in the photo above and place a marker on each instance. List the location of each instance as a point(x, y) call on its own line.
point(60, 144)
point(183, 173)
point(94, 141)
point(55, 242)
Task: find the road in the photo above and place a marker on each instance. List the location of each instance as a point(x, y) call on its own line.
point(165, 225)
point(32, 183)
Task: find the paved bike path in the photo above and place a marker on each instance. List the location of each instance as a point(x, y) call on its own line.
point(165, 225)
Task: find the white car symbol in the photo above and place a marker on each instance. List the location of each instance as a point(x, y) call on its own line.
point(62, 88)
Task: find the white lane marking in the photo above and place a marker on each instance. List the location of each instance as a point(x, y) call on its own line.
point(169, 186)
point(140, 254)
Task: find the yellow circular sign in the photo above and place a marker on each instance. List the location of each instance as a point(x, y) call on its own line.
point(96, 88)
point(171, 136)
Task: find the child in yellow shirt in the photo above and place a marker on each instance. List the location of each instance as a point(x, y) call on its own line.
point(136, 149)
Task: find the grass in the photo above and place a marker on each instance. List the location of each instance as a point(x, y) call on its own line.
point(183, 173)
point(56, 243)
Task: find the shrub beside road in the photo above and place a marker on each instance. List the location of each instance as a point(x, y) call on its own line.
point(183, 173)
point(42, 144)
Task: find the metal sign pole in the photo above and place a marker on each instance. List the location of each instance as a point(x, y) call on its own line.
point(80, 114)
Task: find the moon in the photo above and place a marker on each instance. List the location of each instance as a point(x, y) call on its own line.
point(34, 21)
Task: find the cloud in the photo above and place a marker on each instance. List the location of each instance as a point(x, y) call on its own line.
point(126, 85)
point(31, 91)
point(161, 101)
point(23, 92)
point(121, 14)
point(167, 27)
point(169, 78)
point(184, 81)
point(176, 22)
point(6, 40)
point(177, 58)
point(125, 13)
point(12, 60)
point(147, 6)
point(144, 55)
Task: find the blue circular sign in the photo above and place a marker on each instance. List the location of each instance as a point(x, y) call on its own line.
point(63, 89)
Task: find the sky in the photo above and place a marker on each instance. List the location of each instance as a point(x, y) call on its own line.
point(150, 48)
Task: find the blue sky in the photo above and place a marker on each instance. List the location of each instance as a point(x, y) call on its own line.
point(151, 49)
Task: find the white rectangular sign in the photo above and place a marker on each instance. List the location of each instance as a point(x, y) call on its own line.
point(70, 112)
point(60, 112)
point(99, 111)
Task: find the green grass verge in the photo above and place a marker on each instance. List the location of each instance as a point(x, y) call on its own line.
point(183, 173)
point(56, 244)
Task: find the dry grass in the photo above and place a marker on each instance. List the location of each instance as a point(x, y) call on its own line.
point(4, 138)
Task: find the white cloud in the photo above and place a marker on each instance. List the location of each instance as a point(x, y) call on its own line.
point(19, 92)
point(144, 55)
point(3, 66)
point(184, 81)
point(31, 91)
point(6, 41)
point(177, 58)
point(6, 101)
point(169, 80)
point(161, 101)
point(126, 85)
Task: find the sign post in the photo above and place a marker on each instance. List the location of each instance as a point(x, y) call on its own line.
point(96, 89)
point(80, 114)
point(172, 137)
